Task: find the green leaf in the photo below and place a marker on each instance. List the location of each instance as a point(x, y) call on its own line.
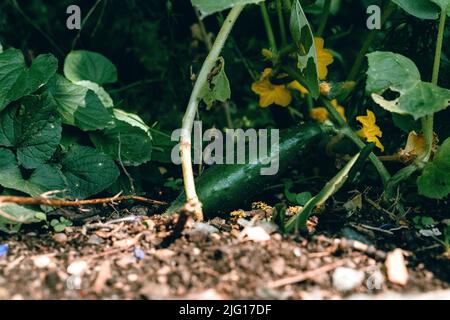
point(16, 80)
point(33, 128)
point(16, 214)
point(303, 197)
point(298, 221)
point(444, 5)
point(390, 71)
point(94, 116)
point(43, 179)
point(77, 105)
point(306, 50)
point(208, 7)
point(104, 97)
point(435, 179)
point(422, 9)
point(217, 88)
point(87, 65)
point(87, 171)
point(130, 136)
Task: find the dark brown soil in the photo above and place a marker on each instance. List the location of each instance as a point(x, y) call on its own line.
point(124, 260)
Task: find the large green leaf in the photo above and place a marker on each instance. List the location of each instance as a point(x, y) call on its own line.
point(130, 136)
point(16, 80)
point(33, 128)
point(78, 106)
point(422, 9)
point(43, 179)
point(87, 171)
point(306, 53)
point(435, 179)
point(444, 5)
point(394, 72)
point(86, 65)
point(208, 7)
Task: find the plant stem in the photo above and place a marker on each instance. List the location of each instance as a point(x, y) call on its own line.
point(388, 11)
point(193, 203)
point(30, 21)
point(281, 23)
point(324, 17)
point(208, 44)
point(348, 132)
point(268, 26)
point(427, 122)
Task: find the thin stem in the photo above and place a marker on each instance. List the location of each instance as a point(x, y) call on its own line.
point(348, 132)
point(324, 17)
point(388, 11)
point(208, 43)
point(427, 122)
point(281, 23)
point(193, 203)
point(88, 15)
point(268, 26)
point(30, 21)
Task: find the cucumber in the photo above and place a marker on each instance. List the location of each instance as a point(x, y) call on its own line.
point(223, 188)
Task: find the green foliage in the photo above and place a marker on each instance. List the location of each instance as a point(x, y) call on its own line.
point(306, 65)
point(16, 80)
point(435, 179)
point(208, 7)
point(298, 222)
point(422, 9)
point(86, 65)
point(390, 71)
point(61, 224)
point(218, 88)
point(36, 105)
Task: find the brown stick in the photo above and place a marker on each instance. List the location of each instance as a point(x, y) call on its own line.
point(75, 203)
point(305, 275)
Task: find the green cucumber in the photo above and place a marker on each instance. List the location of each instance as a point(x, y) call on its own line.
point(223, 188)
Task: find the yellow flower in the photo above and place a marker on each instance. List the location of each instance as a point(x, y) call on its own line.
point(270, 93)
point(370, 130)
point(321, 114)
point(324, 58)
point(295, 85)
point(267, 54)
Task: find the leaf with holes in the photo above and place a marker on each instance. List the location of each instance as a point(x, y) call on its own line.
point(393, 72)
point(218, 86)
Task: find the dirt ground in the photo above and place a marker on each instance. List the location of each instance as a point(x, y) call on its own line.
point(119, 256)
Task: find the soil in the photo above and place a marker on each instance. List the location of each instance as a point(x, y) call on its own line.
point(119, 256)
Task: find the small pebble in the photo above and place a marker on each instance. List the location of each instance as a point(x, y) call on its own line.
point(95, 239)
point(42, 261)
point(77, 268)
point(346, 279)
point(139, 253)
point(60, 238)
point(132, 277)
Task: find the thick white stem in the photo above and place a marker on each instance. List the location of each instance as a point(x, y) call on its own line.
point(193, 203)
